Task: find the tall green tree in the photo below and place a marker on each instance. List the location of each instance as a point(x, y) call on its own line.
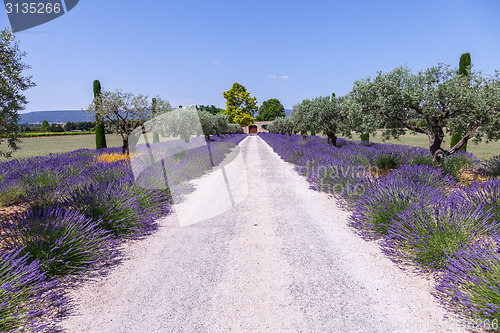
point(433, 102)
point(100, 132)
point(154, 106)
point(270, 110)
point(240, 106)
point(12, 85)
point(464, 68)
point(45, 126)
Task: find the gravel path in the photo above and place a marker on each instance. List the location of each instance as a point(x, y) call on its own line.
point(282, 260)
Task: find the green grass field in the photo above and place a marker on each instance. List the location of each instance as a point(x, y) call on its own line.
point(60, 144)
point(482, 150)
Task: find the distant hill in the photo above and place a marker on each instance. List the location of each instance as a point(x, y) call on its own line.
point(55, 116)
point(66, 115)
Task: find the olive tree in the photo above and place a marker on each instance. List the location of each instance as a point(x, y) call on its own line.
point(221, 124)
point(125, 111)
point(158, 107)
point(322, 114)
point(434, 102)
point(281, 125)
point(208, 124)
point(12, 84)
point(331, 117)
point(303, 118)
point(361, 108)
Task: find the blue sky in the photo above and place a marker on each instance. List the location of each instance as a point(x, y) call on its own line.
point(189, 52)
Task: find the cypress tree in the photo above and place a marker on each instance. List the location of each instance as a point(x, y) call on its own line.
point(463, 69)
point(100, 134)
point(156, 137)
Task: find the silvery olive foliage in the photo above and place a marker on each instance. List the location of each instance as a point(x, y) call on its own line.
point(281, 125)
point(12, 84)
point(188, 122)
point(125, 111)
point(182, 122)
point(435, 102)
point(160, 106)
point(328, 115)
point(221, 124)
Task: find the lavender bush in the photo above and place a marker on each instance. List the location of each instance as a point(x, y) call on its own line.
point(26, 295)
point(472, 281)
point(429, 233)
point(492, 166)
point(375, 212)
point(458, 162)
point(62, 241)
point(485, 195)
point(115, 209)
point(422, 175)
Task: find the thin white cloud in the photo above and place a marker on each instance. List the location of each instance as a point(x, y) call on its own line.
point(284, 77)
point(216, 62)
point(271, 76)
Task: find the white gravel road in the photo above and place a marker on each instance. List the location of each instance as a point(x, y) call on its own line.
point(282, 260)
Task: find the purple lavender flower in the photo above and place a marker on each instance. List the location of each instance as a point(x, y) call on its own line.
point(428, 233)
point(115, 209)
point(472, 280)
point(62, 241)
point(26, 295)
point(485, 195)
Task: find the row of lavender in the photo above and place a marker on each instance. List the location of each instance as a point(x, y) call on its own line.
point(79, 210)
point(422, 214)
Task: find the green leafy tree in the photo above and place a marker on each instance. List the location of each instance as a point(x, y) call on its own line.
point(57, 128)
point(69, 126)
point(212, 109)
point(45, 126)
point(12, 84)
point(240, 106)
point(432, 102)
point(464, 68)
point(156, 136)
point(125, 111)
point(270, 110)
point(100, 132)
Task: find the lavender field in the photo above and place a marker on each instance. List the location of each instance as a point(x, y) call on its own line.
point(424, 215)
point(78, 207)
